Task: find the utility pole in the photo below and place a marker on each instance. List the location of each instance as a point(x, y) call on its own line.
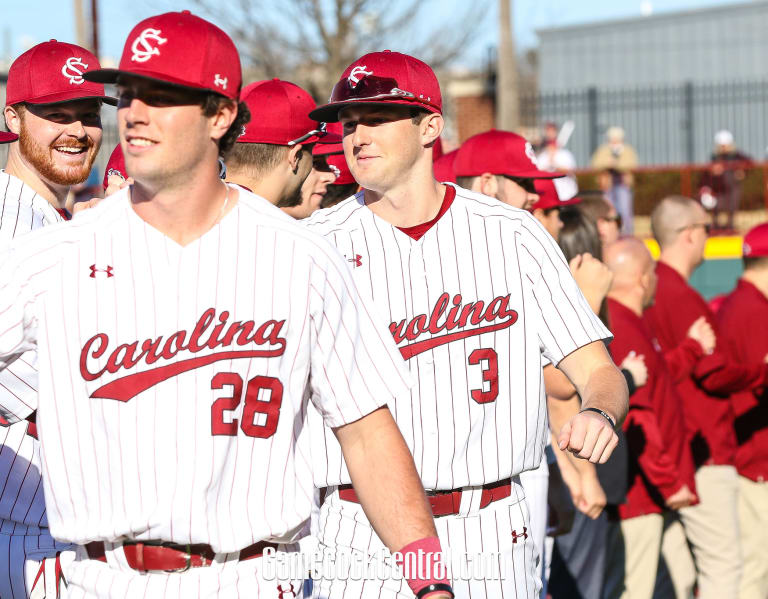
point(507, 99)
point(95, 27)
point(77, 9)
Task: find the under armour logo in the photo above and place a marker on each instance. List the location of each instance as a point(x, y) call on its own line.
point(108, 271)
point(71, 71)
point(281, 592)
point(530, 153)
point(523, 535)
point(218, 81)
point(141, 47)
point(356, 261)
point(335, 170)
point(356, 75)
point(242, 131)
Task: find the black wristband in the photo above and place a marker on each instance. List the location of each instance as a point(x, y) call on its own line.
point(431, 588)
point(603, 414)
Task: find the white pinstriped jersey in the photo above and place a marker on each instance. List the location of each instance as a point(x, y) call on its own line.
point(174, 380)
point(472, 305)
point(22, 505)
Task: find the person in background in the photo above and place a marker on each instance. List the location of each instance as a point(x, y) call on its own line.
point(604, 215)
point(547, 208)
point(328, 154)
point(554, 157)
point(616, 160)
point(743, 323)
point(721, 183)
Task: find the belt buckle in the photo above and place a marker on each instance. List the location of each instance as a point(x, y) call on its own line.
point(188, 565)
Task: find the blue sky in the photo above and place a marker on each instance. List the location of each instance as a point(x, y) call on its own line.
point(33, 21)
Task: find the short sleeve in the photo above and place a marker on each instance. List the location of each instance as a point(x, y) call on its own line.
point(563, 318)
point(355, 364)
point(18, 334)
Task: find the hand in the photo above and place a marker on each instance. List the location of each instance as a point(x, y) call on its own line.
point(703, 332)
point(593, 497)
point(593, 278)
point(683, 497)
point(589, 436)
point(116, 183)
point(571, 478)
point(636, 366)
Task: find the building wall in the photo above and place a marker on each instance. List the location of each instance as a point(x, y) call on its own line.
point(727, 43)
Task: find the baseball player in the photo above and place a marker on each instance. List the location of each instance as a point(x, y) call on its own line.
point(180, 325)
point(329, 153)
point(502, 165)
point(273, 155)
point(56, 115)
point(473, 291)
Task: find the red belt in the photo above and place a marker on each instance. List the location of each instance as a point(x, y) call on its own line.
point(169, 557)
point(447, 503)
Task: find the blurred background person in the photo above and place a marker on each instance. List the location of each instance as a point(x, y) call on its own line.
point(547, 208)
point(604, 215)
point(743, 324)
point(616, 160)
point(722, 182)
point(328, 154)
point(660, 464)
point(553, 156)
point(680, 225)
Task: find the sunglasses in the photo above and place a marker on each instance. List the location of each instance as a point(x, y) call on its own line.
point(614, 219)
point(526, 184)
point(373, 88)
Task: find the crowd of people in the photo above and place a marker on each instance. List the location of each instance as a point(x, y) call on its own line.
point(556, 397)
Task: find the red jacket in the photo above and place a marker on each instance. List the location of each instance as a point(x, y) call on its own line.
point(660, 458)
point(706, 391)
point(743, 320)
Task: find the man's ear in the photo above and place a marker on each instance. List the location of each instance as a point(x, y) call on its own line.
point(432, 126)
point(489, 184)
point(223, 119)
point(295, 154)
point(12, 119)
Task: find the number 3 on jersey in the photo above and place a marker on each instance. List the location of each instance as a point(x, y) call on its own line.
point(271, 391)
point(490, 374)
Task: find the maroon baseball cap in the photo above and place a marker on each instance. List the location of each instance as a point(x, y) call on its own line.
point(338, 165)
point(443, 167)
point(279, 110)
point(6, 137)
point(181, 49)
point(331, 142)
point(383, 78)
point(53, 72)
point(548, 196)
point(115, 165)
point(756, 242)
point(499, 153)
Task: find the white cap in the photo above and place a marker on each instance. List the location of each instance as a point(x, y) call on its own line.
point(724, 138)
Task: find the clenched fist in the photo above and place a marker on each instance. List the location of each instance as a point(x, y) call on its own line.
point(589, 436)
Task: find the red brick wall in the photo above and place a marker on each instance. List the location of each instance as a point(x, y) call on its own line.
point(474, 114)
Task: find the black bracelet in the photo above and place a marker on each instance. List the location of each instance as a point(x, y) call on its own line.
point(603, 414)
point(431, 588)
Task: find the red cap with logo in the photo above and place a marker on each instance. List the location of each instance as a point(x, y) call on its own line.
point(53, 72)
point(383, 78)
point(443, 167)
point(279, 110)
point(181, 49)
point(499, 153)
point(331, 142)
point(756, 242)
point(6, 137)
point(548, 196)
point(115, 166)
point(338, 164)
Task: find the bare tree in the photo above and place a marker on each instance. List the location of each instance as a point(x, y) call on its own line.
point(310, 42)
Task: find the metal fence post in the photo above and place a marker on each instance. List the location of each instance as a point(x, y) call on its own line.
point(688, 121)
point(592, 116)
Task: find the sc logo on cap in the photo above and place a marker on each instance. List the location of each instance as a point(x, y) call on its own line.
point(142, 49)
point(71, 71)
point(356, 74)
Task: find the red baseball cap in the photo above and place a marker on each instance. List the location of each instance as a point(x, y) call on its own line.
point(499, 153)
point(443, 167)
point(548, 196)
point(279, 110)
point(383, 78)
point(115, 165)
point(756, 242)
point(338, 165)
point(53, 72)
point(181, 49)
point(331, 142)
point(6, 137)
